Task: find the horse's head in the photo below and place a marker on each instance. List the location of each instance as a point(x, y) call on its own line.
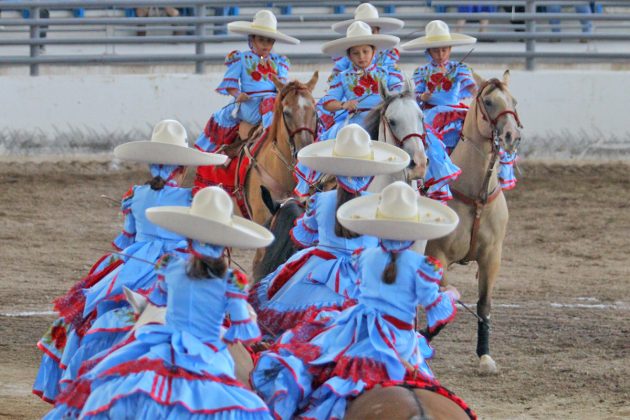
point(399, 122)
point(496, 112)
point(284, 213)
point(295, 106)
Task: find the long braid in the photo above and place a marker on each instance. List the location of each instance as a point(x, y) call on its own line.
point(389, 274)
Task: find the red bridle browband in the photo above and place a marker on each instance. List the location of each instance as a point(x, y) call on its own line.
point(400, 142)
point(292, 133)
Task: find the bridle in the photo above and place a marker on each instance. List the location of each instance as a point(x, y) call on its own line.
point(397, 140)
point(293, 132)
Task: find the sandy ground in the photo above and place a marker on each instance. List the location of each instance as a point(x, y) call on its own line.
point(561, 335)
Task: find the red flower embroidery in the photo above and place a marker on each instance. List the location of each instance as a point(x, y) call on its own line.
point(431, 86)
point(256, 76)
point(447, 84)
point(265, 68)
point(436, 77)
point(58, 335)
point(359, 90)
point(267, 105)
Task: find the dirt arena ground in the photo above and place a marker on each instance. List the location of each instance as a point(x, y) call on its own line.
point(561, 335)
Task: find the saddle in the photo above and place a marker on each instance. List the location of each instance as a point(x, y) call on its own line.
point(235, 149)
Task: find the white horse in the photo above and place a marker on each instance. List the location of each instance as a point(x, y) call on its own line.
point(398, 120)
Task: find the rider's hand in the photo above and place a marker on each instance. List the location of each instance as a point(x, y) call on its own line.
point(425, 96)
point(350, 105)
point(451, 290)
point(242, 97)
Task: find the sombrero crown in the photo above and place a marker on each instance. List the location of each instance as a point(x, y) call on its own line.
point(437, 34)
point(359, 33)
point(264, 24)
point(168, 146)
point(210, 219)
point(353, 153)
point(367, 13)
point(398, 213)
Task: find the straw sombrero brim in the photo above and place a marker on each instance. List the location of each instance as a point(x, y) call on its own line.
point(338, 47)
point(240, 233)
point(247, 28)
point(386, 24)
point(387, 159)
point(166, 154)
point(435, 220)
point(422, 43)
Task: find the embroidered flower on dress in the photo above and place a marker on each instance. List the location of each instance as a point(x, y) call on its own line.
point(256, 76)
point(163, 261)
point(240, 280)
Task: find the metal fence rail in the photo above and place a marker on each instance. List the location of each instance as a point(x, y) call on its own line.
point(203, 29)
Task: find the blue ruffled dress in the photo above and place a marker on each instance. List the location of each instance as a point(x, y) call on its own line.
point(110, 317)
point(250, 74)
point(319, 277)
point(314, 373)
point(350, 84)
point(387, 59)
point(182, 369)
point(79, 332)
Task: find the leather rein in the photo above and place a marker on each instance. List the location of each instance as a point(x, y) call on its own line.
point(484, 197)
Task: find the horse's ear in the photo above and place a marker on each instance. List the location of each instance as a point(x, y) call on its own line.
point(313, 82)
point(277, 82)
point(478, 79)
point(383, 90)
point(409, 85)
point(268, 200)
point(136, 300)
point(506, 77)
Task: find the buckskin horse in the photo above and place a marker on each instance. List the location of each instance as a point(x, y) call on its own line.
point(492, 123)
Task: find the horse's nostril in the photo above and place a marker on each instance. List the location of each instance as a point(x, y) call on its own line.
point(412, 164)
point(508, 136)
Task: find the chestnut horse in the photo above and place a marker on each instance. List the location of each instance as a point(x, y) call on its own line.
point(491, 124)
point(294, 126)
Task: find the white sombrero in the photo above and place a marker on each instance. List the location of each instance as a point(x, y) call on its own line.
point(264, 24)
point(210, 219)
point(359, 33)
point(367, 13)
point(168, 146)
point(398, 213)
point(353, 153)
point(437, 35)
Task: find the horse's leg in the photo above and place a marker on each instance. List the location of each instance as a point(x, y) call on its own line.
point(488, 270)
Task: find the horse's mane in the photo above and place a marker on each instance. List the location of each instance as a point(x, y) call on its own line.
point(294, 85)
point(373, 118)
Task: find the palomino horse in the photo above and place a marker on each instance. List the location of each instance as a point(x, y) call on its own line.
point(294, 126)
point(491, 123)
point(151, 314)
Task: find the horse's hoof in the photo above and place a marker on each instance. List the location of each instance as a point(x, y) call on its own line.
point(487, 366)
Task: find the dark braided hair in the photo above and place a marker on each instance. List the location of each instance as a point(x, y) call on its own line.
point(157, 183)
point(204, 268)
point(343, 197)
point(389, 274)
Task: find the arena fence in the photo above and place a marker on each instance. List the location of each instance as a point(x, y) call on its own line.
point(519, 24)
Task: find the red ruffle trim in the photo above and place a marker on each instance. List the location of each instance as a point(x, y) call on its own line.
point(445, 118)
point(289, 269)
point(70, 306)
point(40, 394)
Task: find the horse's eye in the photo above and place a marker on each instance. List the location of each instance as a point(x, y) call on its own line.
point(392, 122)
point(287, 114)
point(487, 102)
